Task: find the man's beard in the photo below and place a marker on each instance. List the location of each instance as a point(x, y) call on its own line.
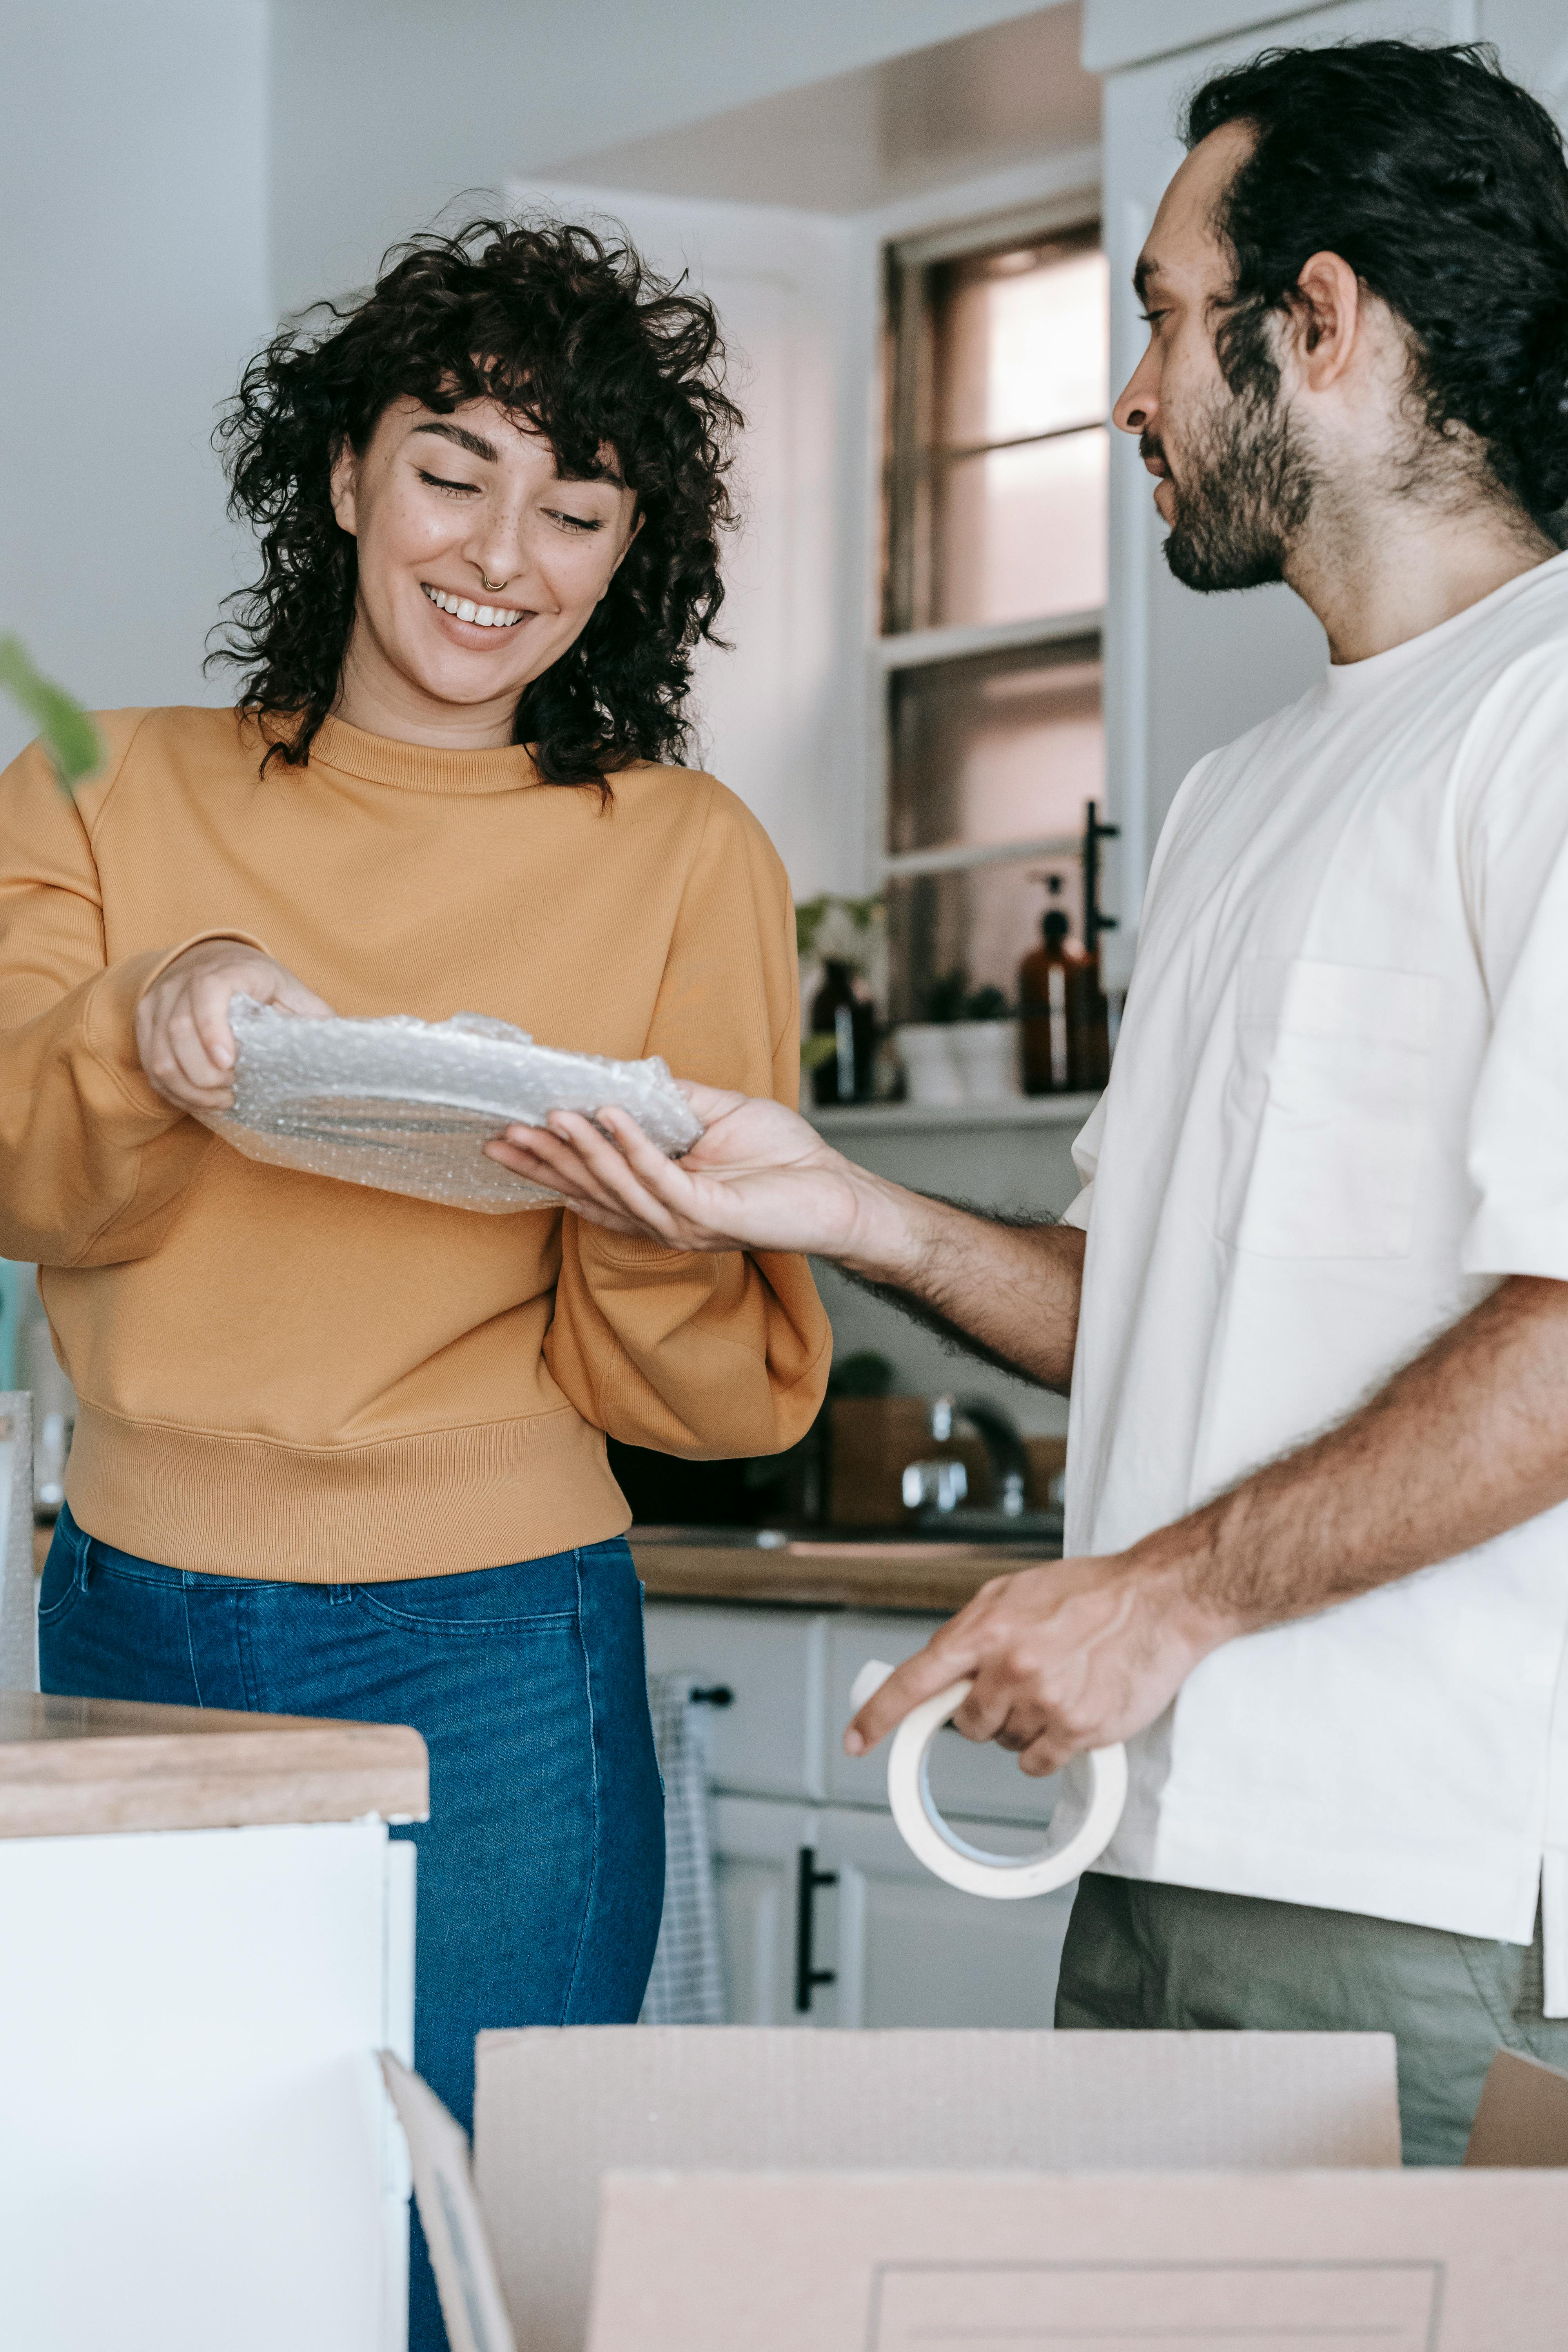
point(1244, 494)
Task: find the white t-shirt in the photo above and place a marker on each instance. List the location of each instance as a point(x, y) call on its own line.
point(1339, 1114)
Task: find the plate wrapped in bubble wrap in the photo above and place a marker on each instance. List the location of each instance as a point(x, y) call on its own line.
point(406, 1105)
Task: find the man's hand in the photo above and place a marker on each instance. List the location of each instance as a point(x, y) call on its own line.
point(1466, 1441)
point(1064, 1658)
point(182, 1024)
point(761, 1178)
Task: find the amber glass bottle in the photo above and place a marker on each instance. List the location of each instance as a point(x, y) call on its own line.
point(841, 1012)
point(1066, 1041)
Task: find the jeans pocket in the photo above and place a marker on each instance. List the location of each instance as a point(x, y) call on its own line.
point(529, 1596)
point(62, 1585)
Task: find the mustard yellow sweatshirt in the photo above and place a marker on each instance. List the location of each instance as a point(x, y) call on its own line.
point(283, 1376)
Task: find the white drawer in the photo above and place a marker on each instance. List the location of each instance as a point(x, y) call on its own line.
point(965, 1777)
point(769, 1741)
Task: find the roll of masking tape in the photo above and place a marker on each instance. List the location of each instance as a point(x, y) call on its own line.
point(1091, 1811)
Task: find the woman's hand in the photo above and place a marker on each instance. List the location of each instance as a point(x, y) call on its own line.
point(182, 1024)
point(761, 1178)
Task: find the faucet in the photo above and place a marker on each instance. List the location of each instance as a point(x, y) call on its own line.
point(944, 1484)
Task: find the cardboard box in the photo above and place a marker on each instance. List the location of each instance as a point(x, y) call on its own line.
point(777, 2192)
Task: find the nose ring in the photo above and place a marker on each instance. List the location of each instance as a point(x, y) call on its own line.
point(491, 585)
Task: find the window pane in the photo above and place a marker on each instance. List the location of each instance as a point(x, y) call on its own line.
point(983, 920)
point(1022, 532)
point(999, 747)
point(1023, 344)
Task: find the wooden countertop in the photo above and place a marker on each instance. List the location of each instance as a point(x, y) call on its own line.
point(844, 1575)
point(78, 1767)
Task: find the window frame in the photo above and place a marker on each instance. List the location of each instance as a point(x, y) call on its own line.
point(903, 478)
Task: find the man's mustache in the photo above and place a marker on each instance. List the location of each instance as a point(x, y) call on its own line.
point(1150, 445)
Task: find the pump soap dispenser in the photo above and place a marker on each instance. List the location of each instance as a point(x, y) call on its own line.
point(1066, 1041)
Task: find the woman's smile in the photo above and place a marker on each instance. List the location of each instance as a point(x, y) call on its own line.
point(469, 615)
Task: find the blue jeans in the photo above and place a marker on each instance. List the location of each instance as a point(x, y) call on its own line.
point(542, 1865)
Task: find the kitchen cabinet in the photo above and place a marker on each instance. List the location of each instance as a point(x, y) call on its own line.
point(206, 1937)
point(827, 1918)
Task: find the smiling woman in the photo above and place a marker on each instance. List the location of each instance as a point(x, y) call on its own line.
point(518, 418)
point(340, 1452)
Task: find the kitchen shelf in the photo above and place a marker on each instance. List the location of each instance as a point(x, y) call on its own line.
point(905, 1117)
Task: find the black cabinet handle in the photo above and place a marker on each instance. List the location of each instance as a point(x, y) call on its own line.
point(715, 1695)
point(807, 1975)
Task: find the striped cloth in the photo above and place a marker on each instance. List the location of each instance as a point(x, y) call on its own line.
point(687, 1986)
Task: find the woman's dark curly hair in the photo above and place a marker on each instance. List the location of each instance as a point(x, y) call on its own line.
point(578, 337)
point(1444, 187)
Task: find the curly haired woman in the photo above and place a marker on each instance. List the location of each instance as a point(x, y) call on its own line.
point(341, 1453)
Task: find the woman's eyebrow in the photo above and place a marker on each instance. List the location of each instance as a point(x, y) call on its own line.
point(474, 443)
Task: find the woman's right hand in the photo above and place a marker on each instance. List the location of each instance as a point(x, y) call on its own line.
point(182, 1024)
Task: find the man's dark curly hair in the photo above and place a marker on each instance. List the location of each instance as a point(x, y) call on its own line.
point(575, 334)
point(1444, 187)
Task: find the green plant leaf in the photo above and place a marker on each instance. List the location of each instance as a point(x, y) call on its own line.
point(944, 996)
point(70, 736)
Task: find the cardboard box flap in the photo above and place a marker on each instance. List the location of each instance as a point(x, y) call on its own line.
point(471, 2303)
point(1522, 2119)
point(1361, 2261)
point(557, 2108)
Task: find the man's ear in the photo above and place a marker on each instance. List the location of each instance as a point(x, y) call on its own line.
point(1327, 316)
point(343, 482)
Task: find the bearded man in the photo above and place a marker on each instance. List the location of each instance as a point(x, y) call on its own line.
point(1312, 1303)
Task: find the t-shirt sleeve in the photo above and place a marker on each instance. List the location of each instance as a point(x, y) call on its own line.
point(1086, 1159)
point(1513, 860)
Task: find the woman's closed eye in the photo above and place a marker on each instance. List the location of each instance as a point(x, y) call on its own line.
point(575, 522)
point(440, 482)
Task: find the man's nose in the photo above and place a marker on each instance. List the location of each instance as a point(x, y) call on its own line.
point(1137, 404)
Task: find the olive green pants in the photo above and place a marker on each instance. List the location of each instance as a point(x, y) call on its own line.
point(1142, 1955)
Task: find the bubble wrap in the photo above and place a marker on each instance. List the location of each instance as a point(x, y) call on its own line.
point(405, 1105)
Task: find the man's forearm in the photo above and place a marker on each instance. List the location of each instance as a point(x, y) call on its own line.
point(1469, 1439)
point(1013, 1291)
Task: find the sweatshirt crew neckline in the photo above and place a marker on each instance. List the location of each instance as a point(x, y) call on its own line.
point(418, 767)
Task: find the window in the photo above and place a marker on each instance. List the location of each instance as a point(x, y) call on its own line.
point(995, 581)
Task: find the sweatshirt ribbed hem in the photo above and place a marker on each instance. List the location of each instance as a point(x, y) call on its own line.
point(426, 1505)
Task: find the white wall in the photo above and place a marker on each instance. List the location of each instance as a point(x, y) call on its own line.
point(132, 283)
point(384, 109)
point(777, 716)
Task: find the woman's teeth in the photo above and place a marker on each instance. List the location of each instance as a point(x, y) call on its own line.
point(486, 616)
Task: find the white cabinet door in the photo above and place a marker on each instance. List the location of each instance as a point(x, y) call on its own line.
point(197, 2148)
point(758, 1846)
point(768, 1741)
point(910, 1952)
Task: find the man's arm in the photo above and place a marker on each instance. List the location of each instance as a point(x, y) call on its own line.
point(1468, 1439)
point(762, 1179)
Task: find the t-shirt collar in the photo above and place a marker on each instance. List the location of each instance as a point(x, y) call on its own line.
point(1345, 682)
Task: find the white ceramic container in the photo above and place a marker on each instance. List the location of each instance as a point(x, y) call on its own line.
point(930, 1071)
point(986, 1055)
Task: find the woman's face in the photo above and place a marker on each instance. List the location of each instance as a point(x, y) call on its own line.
point(479, 566)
